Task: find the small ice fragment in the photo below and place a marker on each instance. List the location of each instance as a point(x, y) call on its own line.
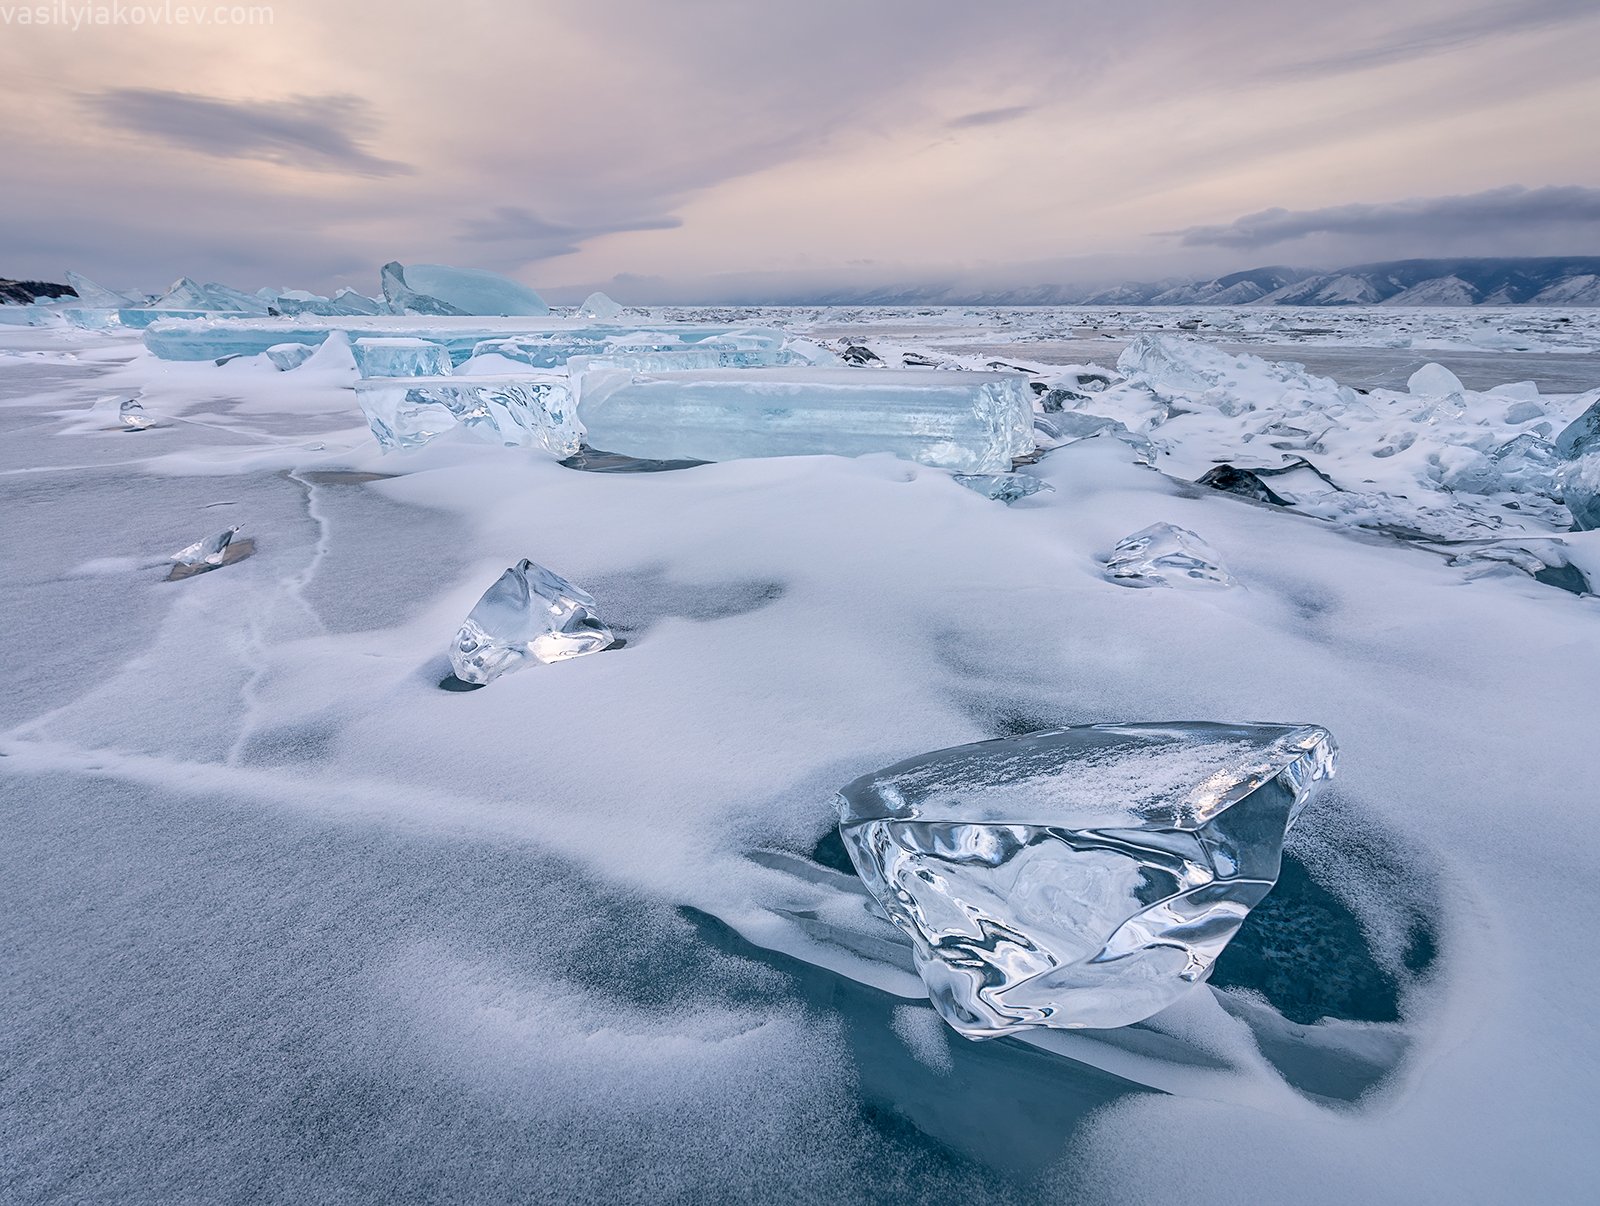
point(440, 290)
point(1433, 381)
point(207, 552)
point(1166, 555)
point(133, 416)
point(1079, 877)
point(1003, 487)
point(597, 305)
point(530, 614)
point(403, 356)
point(1246, 483)
point(286, 356)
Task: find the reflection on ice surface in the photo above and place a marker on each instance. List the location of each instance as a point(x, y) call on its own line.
point(1166, 555)
point(529, 614)
point(1079, 877)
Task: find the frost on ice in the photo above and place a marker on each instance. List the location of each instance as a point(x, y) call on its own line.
point(1166, 555)
point(1079, 877)
point(529, 614)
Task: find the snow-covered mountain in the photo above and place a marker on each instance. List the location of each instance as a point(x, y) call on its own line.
point(1549, 281)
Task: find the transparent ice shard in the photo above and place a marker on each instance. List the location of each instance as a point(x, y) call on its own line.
point(210, 551)
point(96, 297)
point(1524, 464)
point(133, 416)
point(1003, 487)
point(437, 289)
point(530, 614)
point(598, 305)
point(1580, 490)
point(1582, 435)
point(1079, 877)
point(286, 356)
point(525, 411)
point(403, 356)
point(969, 422)
point(1166, 555)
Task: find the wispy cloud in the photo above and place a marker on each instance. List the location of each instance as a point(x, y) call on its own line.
point(990, 117)
point(1496, 211)
point(322, 133)
point(523, 236)
point(1442, 35)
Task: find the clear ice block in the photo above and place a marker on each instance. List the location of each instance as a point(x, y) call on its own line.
point(133, 416)
point(438, 289)
point(1582, 435)
point(530, 614)
point(523, 412)
point(966, 421)
point(1166, 555)
point(96, 297)
point(210, 551)
point(1003, 487)
point(1079, 877)
point(1580, 490)
point(402, 356)
point(286, 356)
point(597, 305)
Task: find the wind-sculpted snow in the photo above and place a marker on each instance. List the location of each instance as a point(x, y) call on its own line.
point(286, 921)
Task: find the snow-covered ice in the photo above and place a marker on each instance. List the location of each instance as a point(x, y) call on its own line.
point(283, 920)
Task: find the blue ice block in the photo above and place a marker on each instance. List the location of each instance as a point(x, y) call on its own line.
point(968, 422)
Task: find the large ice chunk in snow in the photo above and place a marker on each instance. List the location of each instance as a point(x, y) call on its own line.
point(969, 422)
point(1003, 487)
point(437, 289)
point(598, 305)
point(524, 411)
point(404, 356)
point(1434, 381)
point(1580, 486)
point(1079, 877)
point(1166, 555)
point(1582, 435)
point(530, 614)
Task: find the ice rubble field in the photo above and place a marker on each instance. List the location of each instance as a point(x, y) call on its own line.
point(283, 920)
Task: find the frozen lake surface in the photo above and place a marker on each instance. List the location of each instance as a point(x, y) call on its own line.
point(283, 921)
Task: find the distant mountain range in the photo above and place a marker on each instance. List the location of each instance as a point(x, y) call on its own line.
point(20, 293)
point(1545, 281)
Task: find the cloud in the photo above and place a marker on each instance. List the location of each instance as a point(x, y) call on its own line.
point(1442, 35)
point(1495, 212)
point(990, 117)
point(322, 133)
point(528, 237)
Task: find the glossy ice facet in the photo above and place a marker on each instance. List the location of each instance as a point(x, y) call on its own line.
point(527, 412)
point(210, 551)
point(1166, 555)
point(1003, 487)
point(970, 422)
point(530, 614)
point(404, 356)
point(1079, 877)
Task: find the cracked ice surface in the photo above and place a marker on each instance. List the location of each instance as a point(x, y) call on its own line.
point(258, 868)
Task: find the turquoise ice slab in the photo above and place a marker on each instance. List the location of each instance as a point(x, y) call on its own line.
point(969, 422)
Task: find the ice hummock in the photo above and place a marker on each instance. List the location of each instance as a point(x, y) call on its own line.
point(401, 356)
point(598, 306)
point(441, 290)
point(527, 411)
point(1166, 555)
point(1079, 877)
point(531, 614)
point(971, 422)
point(287, 356)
